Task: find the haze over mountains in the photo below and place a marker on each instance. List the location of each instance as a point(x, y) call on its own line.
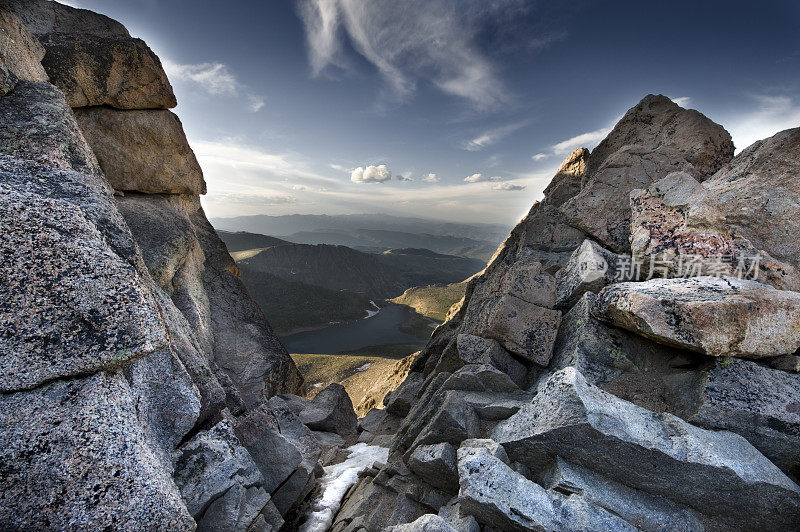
point(374, 232)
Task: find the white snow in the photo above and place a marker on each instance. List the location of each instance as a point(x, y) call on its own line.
point(365, 367)
point(371, 313)
point(336, 481)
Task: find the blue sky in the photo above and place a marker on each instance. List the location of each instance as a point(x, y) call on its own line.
point(459, 110)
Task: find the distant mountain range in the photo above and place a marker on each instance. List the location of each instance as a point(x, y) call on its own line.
point(310, 285)
point(374, 233)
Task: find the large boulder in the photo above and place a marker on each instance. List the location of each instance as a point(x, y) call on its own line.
point(44, 16)
point(331, 410)
point(73, 456)
point(590, 269)
point(717, 472)
point(476, 350)
point(39, 125)
point(119, 72)
point(20, 53)
point(142, 151)
point(498, 496)
point(654, 138)
point(710, 315)
point(436, 464)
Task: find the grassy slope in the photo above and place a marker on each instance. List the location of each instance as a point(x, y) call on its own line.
point(242, 240)
point(432, 301)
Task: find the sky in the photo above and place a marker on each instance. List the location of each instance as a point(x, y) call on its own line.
point(458, 110)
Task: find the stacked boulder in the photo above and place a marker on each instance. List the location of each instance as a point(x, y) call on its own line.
point(140, 382)
point(585, 382)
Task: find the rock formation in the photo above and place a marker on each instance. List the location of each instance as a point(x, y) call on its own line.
point(573, 388)
point(638, 395)
point(138, 375)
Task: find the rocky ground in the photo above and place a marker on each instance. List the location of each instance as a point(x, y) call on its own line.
point(142, 388)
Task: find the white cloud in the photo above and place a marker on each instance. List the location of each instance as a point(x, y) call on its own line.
point(475, 178)
point(408, 42)
point(507, 186)
point(300, 188)
point(405, 176)
point(772, 114)
point(683, 101)
point(491, 136)
point(495, 178)
point(214, 79)
point(371, 174)
point(430, 178)
point(539, 156)
point(340, 168)
point(589, 140)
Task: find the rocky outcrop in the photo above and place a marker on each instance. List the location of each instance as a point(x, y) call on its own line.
point(714, 316)
point(136, 368)
point(654, 138)
point(580, 393)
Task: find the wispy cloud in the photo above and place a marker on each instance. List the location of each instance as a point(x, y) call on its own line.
point(254, 199)
point(214, 79)
point(340, 168)
point(491, 136)
point(539, 157)
point(683, 101)
point(405, 177)
point(371, 174)
point(590, 139)
point(771, 115)
point(430, 178)
point(413, 41)
point(475, 178)
point(507, 186)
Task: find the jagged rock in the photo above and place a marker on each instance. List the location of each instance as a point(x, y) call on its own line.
point(142, 151)
point(372, 420)
point(241, 509)
point(211, 464)
point(39, 125)
point(436, 464)
point(376, 396)
point(425, 523)
point(476, 350)
point(545, 235)
point(452, 514)
point(713, 316)
point(301, 481)
point(72, 455)
point(245, 346)
point(638, 508)
point(400, 400)
point(568, 179)
point(654, 138)
point(43, 16)
point(718, 473)
point(651, 375)
point(480, 378)
point(590, 269)
point(276, 457)
point(86, 308)
point(761, 194)
point(523, 328)
point(330, 410)
point(119, 72)
point(759, 403)
point(453, 421)
point(498, 496)
point(20, 53)
point(163, 231)
point(167, 401)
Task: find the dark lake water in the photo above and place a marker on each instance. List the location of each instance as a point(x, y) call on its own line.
point(379, 329)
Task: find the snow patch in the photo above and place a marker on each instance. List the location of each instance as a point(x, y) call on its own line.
point(337, 480)
point(365, 367)
point(371, 313)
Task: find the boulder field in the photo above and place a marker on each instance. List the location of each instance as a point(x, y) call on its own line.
point(628, 360)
